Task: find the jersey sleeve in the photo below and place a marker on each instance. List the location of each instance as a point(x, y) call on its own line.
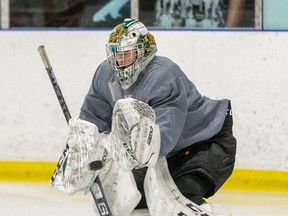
point(96, 109)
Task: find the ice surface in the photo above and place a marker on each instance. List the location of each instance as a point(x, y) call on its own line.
point(27, 199)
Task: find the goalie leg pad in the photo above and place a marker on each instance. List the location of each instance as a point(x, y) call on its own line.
point(120, 189)
point(140, 212)
point(163, 197)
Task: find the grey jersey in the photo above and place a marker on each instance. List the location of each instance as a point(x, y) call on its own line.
point(184, 115)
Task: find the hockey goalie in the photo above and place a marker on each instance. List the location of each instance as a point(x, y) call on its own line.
point(164, 147)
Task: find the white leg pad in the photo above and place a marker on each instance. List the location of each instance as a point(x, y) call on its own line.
point(120, 189)
point(163, 197)
point(140, 212)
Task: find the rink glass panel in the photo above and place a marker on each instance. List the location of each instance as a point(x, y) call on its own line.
point(196, 13)
point(204, 14)
point(275, 15)
point(68, 13)
point(106, 14)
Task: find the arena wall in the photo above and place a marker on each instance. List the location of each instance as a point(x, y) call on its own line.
point(248, 67)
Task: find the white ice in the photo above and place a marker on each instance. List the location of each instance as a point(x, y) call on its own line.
point(27, 199)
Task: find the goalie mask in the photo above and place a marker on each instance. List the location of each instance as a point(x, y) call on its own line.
point(129, 50)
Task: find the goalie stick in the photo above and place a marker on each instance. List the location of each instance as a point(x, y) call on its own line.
point(96, 188)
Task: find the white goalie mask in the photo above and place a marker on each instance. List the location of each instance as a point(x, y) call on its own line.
point(129, 50)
